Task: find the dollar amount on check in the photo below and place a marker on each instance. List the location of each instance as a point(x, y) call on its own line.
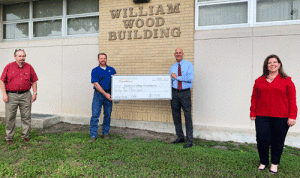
point(141, 87)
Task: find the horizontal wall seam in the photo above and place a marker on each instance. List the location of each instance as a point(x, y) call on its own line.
point(246, 37)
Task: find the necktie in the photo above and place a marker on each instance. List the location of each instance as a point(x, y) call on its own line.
point(179, 74)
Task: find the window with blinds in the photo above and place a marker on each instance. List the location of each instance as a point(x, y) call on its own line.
point(50, 19)
point(215, 14)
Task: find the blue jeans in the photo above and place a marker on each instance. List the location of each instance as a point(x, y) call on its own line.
point(99, 100)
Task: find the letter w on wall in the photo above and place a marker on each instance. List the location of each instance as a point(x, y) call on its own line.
point(128, 23)
point(115, 13)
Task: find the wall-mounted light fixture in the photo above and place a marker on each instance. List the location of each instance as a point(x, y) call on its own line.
point(141, 1)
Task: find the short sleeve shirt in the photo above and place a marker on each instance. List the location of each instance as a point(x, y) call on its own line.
point(103, 77)
point(18, 78)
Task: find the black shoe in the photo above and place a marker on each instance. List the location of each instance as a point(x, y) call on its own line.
point(189, 145)
point(9, 142)
point(178, 141)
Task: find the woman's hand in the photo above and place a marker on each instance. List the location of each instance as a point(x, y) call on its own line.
point(291, 122)
point(253, 118)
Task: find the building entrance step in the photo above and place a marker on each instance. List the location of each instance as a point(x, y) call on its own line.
point(40, 121)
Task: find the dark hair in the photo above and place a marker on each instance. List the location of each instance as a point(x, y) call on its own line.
point(280, 70)
point(102, 54)
point(16, 50)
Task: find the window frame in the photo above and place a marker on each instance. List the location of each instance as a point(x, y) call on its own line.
point(64, 27)
point(251, 16)
point(220, 2)
point(272, 23)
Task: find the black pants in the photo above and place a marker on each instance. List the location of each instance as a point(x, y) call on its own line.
point(270, 131)
point(182, 99)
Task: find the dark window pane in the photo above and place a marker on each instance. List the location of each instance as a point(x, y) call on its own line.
point(80, 6)
point(16, 12)
point(47, 8)
point(47, 28)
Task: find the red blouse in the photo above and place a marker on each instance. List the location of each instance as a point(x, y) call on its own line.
point(275, 99)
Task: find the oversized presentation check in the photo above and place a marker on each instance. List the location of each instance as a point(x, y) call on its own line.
point(141, 87)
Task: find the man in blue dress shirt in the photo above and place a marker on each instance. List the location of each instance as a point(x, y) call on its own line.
point(101, 78)
point(182, 73)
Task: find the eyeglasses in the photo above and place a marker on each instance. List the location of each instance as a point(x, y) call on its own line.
point(19, 50)
point(16, 50)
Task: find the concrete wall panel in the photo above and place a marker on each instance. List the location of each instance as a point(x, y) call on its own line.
point(222, 82)
point(47, 62)
point(77, 89)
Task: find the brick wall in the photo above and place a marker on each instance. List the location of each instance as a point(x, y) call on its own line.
point(134, 51)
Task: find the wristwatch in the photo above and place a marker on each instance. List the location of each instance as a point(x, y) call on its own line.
point(35, 93)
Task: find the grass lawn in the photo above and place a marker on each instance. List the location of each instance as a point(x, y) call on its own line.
point(72, 155)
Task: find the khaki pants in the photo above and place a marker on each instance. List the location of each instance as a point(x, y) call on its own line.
point(23, 101)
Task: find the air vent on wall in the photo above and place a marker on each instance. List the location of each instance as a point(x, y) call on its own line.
point(141, 1)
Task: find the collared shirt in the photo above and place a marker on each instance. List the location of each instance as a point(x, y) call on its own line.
point(18, 78)
point(103, 77)
point(187, 74)
point(275, 99)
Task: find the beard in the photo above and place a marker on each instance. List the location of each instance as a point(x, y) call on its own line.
point(21, 62)
point(102, 63)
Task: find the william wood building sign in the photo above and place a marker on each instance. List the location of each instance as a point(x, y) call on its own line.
point(152, 26)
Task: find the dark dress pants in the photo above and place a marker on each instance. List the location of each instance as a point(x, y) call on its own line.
point(182, 99)
point(270, 131)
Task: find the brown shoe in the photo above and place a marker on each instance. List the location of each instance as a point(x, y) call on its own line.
point(9, 142)
point(93, 139)
point(105, 136)
point(25, 140)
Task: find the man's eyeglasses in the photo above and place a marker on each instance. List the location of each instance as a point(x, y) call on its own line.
point(16, 50)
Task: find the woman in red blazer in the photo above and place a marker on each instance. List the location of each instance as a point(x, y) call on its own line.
point(274, 109)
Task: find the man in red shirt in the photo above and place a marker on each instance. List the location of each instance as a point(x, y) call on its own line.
point(15, 82)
